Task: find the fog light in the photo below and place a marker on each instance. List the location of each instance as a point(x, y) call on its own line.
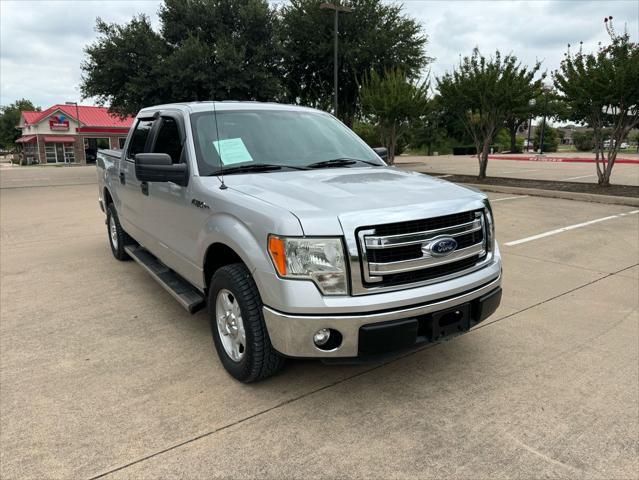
point(321, 336)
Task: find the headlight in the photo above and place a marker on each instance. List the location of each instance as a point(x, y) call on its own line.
point(318, 259)
point(490, 226)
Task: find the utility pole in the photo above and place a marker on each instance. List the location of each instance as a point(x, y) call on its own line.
point(337, 9)
point(543, 125)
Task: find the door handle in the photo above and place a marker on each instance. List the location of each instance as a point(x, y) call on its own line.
point(144, 187)
point(122, 180)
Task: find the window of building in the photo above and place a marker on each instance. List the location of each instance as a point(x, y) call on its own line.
point(49, 150)
point(139, 137)
point(69, 153)
point(168, 140)
point(91, 146)
point(121, 142)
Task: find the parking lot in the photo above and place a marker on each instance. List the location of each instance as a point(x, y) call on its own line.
point(102, 373)
point(622, 174)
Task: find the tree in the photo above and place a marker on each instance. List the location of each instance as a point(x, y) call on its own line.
point(9, 120)
point(205, 49)
point(376, 36)
point(429, 128)
point(392, 101)
point(481, 93)
point(602, 89)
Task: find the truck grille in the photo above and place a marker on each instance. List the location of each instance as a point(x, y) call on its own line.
point(398, 253)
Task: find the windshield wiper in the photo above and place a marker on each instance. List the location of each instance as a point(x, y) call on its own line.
point(341, 162)
point(254, 167)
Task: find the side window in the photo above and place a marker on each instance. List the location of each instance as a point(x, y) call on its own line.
point(139, 137)
point(168, 139)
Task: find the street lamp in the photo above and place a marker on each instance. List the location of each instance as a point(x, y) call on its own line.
point(543, 124)
point(77, 112)
point(337, 9)
point(531, 104)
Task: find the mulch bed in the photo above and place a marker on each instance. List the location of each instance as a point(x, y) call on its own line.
point(593, 188)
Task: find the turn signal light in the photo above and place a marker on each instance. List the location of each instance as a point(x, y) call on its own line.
point(276, 249)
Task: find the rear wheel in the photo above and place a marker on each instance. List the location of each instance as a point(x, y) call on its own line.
point(237, 325)
point(118, 238)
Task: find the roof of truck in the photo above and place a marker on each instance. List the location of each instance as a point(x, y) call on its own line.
point(226, 105)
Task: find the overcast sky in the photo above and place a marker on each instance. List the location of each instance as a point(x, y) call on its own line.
point(41, 42)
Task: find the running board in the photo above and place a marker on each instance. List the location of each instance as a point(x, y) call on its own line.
point(185, 293)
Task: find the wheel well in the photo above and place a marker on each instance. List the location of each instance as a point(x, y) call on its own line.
point(107, 198)
point(218, 255)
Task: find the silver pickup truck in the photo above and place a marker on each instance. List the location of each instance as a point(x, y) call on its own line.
point(296, 235)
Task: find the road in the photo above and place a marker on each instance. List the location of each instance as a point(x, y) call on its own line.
point(103, 375)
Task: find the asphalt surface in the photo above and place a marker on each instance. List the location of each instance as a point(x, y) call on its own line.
point(103, 374)
point(622, 174)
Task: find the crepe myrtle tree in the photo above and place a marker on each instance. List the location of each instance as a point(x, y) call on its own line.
point(601, 89)
point(392, 101)
point(482, 92)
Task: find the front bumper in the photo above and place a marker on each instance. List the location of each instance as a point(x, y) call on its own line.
point(292, 334)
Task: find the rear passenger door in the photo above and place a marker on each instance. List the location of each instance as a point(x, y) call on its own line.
point(132, 200)
point(169, 216)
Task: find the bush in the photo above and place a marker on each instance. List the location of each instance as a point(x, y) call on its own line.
point(583, 141)
point(551, 139)
point(471, 150)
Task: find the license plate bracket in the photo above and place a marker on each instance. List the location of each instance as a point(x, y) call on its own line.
point(452, 321)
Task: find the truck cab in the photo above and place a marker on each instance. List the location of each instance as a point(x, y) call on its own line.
point(298, 237)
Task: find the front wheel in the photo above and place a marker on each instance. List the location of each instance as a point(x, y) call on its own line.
point(237, 325)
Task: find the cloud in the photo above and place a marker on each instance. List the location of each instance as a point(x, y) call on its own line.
point(42, 42)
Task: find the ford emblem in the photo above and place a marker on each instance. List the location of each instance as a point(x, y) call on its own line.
point(441, 247)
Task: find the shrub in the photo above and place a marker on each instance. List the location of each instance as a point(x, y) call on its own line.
point(583, 141)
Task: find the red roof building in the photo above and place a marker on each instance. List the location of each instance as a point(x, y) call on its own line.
point(70, 133)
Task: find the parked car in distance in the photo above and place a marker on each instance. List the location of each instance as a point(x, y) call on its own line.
point(296, 235)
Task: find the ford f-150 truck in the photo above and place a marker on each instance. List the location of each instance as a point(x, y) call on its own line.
point(298, 238)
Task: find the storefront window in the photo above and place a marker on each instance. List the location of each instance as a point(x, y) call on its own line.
point(49, 150)
point(91, 146)
point(121, 142)
point(69, 153)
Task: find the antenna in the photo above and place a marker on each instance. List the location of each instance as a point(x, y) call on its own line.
point(219, 144)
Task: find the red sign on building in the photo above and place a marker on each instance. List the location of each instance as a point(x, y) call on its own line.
point(58, 122)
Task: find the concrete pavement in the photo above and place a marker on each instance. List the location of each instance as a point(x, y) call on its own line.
point(102, 373)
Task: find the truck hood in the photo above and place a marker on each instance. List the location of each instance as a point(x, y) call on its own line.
point(326, 200)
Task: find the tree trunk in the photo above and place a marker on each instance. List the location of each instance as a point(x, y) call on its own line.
point(513, 139)
point(483, 159)
point(392, 143)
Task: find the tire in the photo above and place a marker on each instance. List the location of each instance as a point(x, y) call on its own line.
point(255, 358)
point(118, 238)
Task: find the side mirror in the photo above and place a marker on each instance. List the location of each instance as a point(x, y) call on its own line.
point(158, 167)
point(382, 152)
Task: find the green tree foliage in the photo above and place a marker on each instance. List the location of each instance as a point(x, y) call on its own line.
point(428, 130)
point(392, 101)
point(481, 93)
point(583, 141)
point(551, 138)
point(602, 89)
point(376, 36)
point(206, 49)
point(9, 119)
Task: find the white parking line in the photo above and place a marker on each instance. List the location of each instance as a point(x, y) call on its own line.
point(582, 176)
point(445, 176)
point(508, 198)
point(564, 229)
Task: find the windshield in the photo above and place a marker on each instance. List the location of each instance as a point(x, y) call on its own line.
point(286, 138)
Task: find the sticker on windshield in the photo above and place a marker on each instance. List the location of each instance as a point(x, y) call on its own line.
point(232, 150)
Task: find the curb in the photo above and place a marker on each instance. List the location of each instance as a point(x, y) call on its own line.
point(538, 192)
point(557, 159)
